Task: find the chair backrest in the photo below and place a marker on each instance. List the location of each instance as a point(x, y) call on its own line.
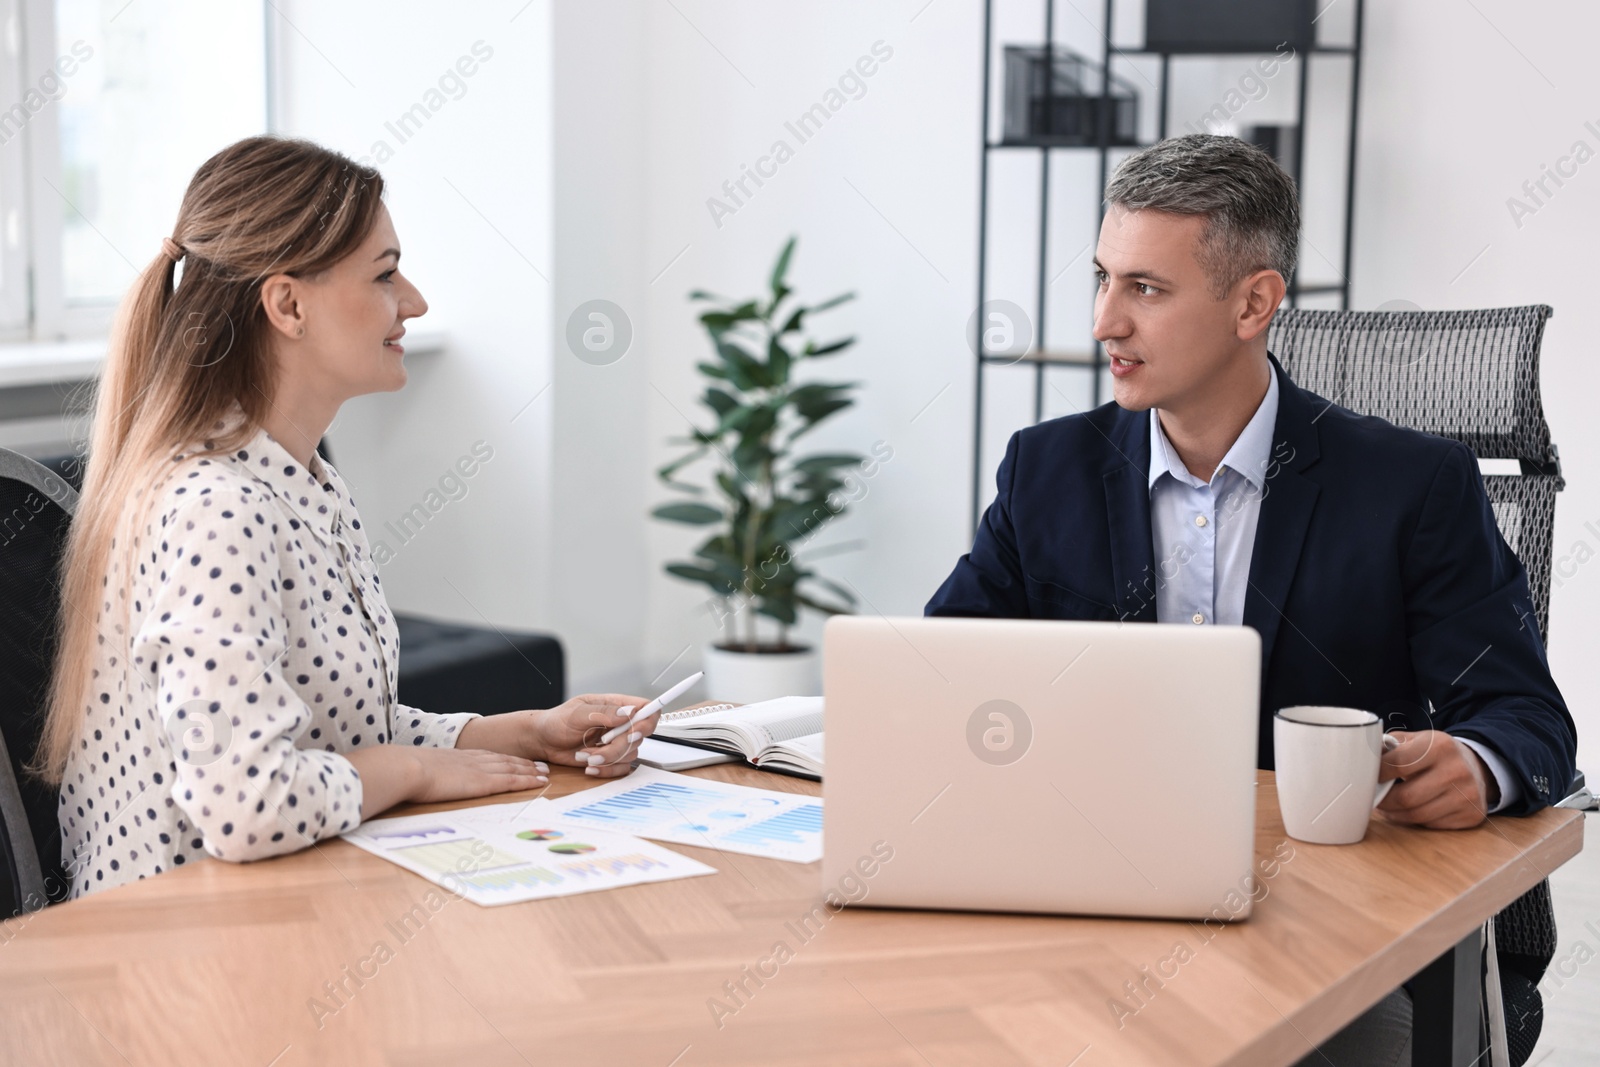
point(36, 506)
point(1472, 376)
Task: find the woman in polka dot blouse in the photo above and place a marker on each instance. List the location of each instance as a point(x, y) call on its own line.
point(226, 671)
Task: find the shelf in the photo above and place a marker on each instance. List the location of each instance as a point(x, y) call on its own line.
point(1316, 50)
point(995, 145)
point(993, 137)
point(1057, 358)
point(30, 363)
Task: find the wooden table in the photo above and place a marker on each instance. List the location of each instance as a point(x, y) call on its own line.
point(240, 964)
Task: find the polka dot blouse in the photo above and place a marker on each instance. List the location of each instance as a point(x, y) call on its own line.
point(257, 650)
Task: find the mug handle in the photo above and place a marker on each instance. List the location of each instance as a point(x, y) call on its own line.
point(1390, 743)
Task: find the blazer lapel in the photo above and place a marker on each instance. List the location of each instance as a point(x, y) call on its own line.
point(1285, 510)
point(1128, 519)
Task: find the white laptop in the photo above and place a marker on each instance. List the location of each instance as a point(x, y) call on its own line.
point(1088, 768)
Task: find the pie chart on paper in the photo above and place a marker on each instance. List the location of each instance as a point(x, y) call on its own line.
point(540, 835)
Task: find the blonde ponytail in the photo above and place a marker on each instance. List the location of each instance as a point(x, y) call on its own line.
point(189, 353)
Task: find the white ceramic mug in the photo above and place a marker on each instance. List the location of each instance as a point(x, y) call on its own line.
point(1327, 770)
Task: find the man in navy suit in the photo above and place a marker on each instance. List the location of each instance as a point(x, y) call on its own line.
point(1216, 491)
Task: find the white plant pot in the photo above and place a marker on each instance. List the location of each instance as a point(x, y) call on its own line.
point(747, 677)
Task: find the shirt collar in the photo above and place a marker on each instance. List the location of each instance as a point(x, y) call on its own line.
point(313, 493)
point(1249, 456)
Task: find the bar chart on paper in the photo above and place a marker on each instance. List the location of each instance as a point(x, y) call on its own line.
point(694, 811)
point(793, 827)
point(644, 806)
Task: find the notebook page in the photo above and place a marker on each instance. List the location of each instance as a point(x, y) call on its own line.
point(763, 723)
point(801, 753)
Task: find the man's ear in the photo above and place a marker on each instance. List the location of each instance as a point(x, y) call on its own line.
point(280, 300)
point(1263, 291)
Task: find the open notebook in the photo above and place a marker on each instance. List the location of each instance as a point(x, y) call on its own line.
point(776, 735)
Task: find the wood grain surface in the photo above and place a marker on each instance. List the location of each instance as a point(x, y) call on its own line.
point(336, 956)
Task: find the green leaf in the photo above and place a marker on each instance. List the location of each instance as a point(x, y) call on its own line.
point(827, 461)
point(736, 419)
point(817, 487)
point(723, 320)
point(719, 585)
point(834, 587)
point(778, 362)
point(817, 401)
point(794, 322)
point(754, 449)
point(701, 294)
point(800, 519)
point(725, 565)
point(719, 401)
point(763, 418)
point(835, 302)
point(782, 266)
point(817, 605)
point(711, 370)
point(666, 473)
point(813, 351)
point(731, 489)
point(778, 296)
point(723, 556)
point(687, 512)
point(834, 549)
point(744, 370)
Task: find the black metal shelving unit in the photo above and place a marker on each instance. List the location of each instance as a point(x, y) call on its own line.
point(1093, 362)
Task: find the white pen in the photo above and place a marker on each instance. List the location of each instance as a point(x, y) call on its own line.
point(651, 708)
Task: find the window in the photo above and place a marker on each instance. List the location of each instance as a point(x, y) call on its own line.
point(107, 107)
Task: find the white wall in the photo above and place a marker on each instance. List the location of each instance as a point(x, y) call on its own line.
point(882, 200)
point(600, 572)
point(594, 137)
point(1460, 109)
point(470, 193)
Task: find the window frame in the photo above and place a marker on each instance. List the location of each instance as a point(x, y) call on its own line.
point(33, 302)
point(15, 216)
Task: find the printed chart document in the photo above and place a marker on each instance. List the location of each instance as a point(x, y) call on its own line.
point(695, 811)
point(777, 735)
point(509, 853)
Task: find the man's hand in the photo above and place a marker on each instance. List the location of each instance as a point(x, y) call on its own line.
point(1445, 785)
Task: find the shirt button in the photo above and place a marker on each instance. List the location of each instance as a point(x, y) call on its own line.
point(1199, 619)
point(1199, 520)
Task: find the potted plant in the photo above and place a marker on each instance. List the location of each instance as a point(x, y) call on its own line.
point(763, 501)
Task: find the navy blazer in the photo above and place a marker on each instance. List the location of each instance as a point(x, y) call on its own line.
point(1378, 578)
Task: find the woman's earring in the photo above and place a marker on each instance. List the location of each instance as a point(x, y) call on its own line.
point(301, 332)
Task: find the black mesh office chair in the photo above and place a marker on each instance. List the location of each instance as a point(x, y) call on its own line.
point(1472, 376)
point(36, 507)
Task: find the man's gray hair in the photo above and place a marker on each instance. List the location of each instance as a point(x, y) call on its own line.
point(1250, 205)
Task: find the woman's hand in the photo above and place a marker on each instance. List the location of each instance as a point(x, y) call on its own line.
point(393, 773)
point(568, 735)
point(461, 774)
